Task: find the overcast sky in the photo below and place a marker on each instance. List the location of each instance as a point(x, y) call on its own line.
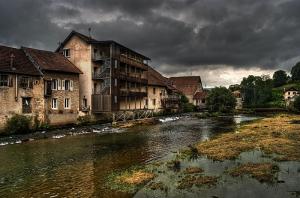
point(220, 40)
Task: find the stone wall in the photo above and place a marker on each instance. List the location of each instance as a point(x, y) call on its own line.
point(11, 99)
point(61, 115)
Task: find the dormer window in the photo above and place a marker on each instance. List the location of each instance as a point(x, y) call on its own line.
point(67, 53)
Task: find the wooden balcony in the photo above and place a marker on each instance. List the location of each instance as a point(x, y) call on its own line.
point(101, 103)
point(126, 76)
point(138, 94)
point(133, 62)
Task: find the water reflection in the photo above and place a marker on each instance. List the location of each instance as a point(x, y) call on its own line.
point(77, 166)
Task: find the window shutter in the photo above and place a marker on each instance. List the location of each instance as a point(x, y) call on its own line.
point(71, 85)
point(63, 85)
point(59, 84)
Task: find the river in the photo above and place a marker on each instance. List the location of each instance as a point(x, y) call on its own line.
point(77, 165)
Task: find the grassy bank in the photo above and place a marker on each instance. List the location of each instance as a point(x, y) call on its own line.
point(278, 135)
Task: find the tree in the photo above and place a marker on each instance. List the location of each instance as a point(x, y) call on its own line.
point(221, 99)
point(256, 90)
point(234, 87)
point(279, 78)
point(296, 72)
point(297, 104)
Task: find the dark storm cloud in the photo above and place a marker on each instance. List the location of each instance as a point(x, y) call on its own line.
point(190, 33)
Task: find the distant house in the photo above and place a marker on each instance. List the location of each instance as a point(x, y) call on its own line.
point(40, 84)
point(191, 87)
point(161, 95)
point(200, 99)
point(290, 94)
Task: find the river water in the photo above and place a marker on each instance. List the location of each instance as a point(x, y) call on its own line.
point(77, 165)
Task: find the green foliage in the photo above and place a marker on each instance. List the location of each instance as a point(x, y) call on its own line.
point(221, 99)
point(296, 72)
point(185, 105)
point(18, 124)
point(188, 107)
point(184, 99)
point(279, 78)
point(277, 100)
point(297, 104)
point(256, 90)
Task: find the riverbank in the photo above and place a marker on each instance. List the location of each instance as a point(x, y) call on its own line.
point(278, 135)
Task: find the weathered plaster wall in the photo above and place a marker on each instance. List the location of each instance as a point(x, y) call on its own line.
point(81, 57)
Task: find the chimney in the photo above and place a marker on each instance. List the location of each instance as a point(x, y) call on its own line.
point(12, 57)
point(90, 35)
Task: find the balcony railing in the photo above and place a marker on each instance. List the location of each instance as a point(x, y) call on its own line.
point(133, 93)
point(133, 62)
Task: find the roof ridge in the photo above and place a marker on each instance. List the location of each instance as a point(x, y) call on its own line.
point(37, 66)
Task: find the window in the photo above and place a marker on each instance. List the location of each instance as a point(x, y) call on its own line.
point(116, 99)
point(154, 90)
point(116, 64)
point(146, 102)
point(4, 80)
point(54, 84)
point(67, 52)
point(67, 103)
point(67, 85)
point(153, 102)
point(84, 102)
point(26, 82)
point(26, 105)
point(116, 82)
point(54, 103)
point(203, 100)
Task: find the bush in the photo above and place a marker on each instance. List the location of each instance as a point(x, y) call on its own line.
point(18, 124)
point(83, 120)
point(188, 107)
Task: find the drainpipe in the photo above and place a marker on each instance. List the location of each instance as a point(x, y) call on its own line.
point(16, 89)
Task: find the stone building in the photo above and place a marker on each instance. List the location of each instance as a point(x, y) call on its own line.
point(189, 86)
point(114, 76)
point(40, 84)
point(161, 95)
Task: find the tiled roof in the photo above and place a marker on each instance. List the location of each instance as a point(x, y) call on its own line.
point(90, 40)
point(188, 85)
point(20, 64)
point(155, 78)
point(200, 95)
point(51, 61)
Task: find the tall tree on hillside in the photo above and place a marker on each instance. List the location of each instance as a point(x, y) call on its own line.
point(296, 72)
point(279, 78)
point(221, 99)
